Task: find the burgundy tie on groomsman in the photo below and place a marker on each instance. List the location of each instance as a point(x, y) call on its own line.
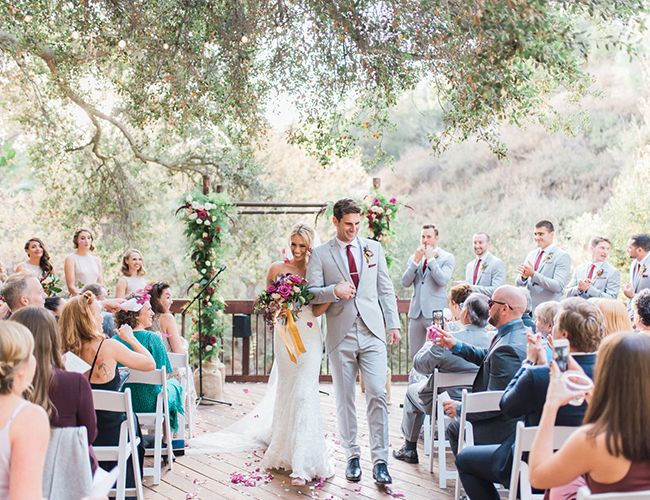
point(354, 273)
point(591, 271)
point(539, 258)
point(478, 263)
point(424, 266)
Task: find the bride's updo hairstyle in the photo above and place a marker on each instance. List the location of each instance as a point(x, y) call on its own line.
point(306, 232)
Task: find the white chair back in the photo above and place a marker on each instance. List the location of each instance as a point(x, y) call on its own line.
point(156, 420)
point(128, 441)
point(585, 494)
point(438, 420)
point(523, 443)
point(474, 402)
point(182, 362)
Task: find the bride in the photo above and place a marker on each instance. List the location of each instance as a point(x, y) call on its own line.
point(288, 419)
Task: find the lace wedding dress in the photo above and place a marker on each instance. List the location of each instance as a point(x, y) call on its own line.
point(287, 420)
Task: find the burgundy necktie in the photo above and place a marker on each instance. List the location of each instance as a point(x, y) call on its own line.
point(353, 267)
point(478, 263)
point(539, 258)
point(424, 266)
point(591, 271)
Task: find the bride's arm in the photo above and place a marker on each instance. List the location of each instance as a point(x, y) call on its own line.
point(319, 309)
point(273, 273)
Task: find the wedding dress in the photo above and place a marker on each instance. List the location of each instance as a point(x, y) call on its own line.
point(287, 421)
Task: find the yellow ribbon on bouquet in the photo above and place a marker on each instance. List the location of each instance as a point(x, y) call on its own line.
point(294, 344)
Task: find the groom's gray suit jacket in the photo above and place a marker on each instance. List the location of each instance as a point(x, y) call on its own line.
point(327, 268)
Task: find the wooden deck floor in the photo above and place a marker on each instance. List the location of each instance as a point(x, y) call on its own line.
point(208, 477)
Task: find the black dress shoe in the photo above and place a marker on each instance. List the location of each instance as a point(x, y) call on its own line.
point(380, 474)
point(353, 470)
point(408, 456)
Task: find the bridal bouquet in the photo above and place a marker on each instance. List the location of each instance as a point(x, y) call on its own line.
point(283, 299)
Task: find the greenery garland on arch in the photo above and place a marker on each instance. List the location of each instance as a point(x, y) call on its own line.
point(207, 222)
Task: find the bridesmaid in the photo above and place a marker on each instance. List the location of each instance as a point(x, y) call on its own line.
point(38, 261)
point(81, 266)
point(132, 271)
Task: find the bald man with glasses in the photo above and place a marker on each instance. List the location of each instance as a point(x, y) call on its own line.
point(498, 364)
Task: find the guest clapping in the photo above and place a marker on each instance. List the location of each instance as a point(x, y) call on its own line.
point(24, 427)
point(38, 261)
point(612, 448)
point(81, 267)
point(132, 272)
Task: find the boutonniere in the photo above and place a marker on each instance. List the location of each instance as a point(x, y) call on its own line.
point(435, 255)
point(483, 266)
point(643, 269)
point(599, 273)
point(367, 253)
point(548, 257)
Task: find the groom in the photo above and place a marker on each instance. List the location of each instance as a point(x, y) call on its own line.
point(351, 273)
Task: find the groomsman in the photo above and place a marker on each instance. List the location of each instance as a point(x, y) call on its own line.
point(547, 269)
point(428, 270)
point(637, 248)
point(485, 273)
point(597, 278)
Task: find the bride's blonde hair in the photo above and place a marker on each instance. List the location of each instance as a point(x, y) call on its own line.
point(306, 232)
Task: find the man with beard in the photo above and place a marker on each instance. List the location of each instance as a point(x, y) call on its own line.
point(497, 365)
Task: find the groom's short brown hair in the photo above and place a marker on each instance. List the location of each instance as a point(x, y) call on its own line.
point(344, 207)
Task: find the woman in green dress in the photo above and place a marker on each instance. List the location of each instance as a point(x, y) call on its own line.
point(138, 317)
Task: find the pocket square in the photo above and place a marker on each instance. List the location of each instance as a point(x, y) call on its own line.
point(372, 265)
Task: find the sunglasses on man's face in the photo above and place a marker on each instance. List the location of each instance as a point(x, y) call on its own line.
point(492, 302)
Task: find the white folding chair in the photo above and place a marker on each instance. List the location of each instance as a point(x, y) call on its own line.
point(520, 471)
point(475, 402)
point(128, 443)
point(182, 361)
point(585, 494)
point(439, 420)
point(156, 420)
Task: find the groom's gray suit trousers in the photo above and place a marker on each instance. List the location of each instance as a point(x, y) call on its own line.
point(361, 350)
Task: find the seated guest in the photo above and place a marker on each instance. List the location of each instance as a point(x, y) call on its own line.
point(132, 275)
point(419, 397)
point(81, 326)
point(22, 290)
point(66, 396)
point(612, 448)
point(641, 308)
point(457, 296)
point(81, 267)
point(545, 316)
point(163, 321)
point(497, 364)
point(55, 305)
point(24, 428)
point(108, 323)
point(582, 323)
point(597, 278)
point(144, 396)
point(617, 318)
point(527, 317)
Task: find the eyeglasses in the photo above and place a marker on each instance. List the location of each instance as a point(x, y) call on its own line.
point(492, 302)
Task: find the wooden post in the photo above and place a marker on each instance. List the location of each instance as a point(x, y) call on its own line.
point(219, 188)
point(376, 182)
point(246, 356)
point(206, 184)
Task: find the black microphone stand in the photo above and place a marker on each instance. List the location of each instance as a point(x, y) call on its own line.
point(200, 296)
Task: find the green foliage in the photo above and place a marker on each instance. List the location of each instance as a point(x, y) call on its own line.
point(207, 223)
point(379, 211)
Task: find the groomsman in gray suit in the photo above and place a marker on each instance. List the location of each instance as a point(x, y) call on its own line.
point(597, 278)
point(638, 249)
point(485, 273)
point(547, 269)
point(351, 273)
point(428, 270)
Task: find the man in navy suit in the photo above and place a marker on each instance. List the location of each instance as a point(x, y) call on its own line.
point(583, 324)
point(497, 365)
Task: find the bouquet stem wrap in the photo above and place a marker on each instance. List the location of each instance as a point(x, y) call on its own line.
point(291, 336)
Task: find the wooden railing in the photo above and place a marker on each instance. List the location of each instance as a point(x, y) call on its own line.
point(249, 359)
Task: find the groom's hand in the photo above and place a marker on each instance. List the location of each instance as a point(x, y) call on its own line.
point(394, 336)
point(344, 290)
